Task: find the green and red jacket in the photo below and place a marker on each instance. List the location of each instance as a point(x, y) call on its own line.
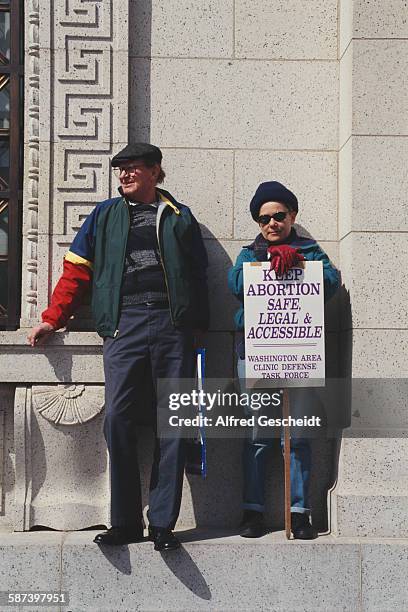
point(96, 257)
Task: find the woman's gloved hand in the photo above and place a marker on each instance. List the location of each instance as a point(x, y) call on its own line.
point(283, 257)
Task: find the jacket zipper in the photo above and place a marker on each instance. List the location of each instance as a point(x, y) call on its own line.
point(123, 263)
point(162, 260)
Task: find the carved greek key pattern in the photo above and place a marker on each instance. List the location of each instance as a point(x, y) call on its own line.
point(95, 16)
point(85, 120)
point(75, 214)
point(86, 106)
point(76, 101)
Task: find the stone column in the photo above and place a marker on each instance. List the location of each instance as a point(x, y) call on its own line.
point(371, 496)
point(61, 460)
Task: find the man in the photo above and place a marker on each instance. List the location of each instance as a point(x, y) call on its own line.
point(147, 259)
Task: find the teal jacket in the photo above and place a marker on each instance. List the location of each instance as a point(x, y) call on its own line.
point(309, 249)
point(101, 244)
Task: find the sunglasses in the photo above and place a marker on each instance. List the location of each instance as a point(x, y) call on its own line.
point(278, 216)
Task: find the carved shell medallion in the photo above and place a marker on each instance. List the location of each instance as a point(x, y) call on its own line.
point(68, 404)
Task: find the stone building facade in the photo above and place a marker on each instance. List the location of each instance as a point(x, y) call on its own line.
point(308, 92)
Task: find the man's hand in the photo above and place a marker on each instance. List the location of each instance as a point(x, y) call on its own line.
point(283, 257)
point(39, 334)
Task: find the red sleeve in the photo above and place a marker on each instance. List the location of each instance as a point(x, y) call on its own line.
point(68, 293)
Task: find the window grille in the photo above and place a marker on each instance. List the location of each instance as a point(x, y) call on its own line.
point(11, 159)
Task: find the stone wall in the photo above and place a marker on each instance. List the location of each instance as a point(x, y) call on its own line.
point(371, 496)
point(236, 93)
point(308, 92)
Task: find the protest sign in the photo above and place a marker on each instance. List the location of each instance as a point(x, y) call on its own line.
point(284, 325)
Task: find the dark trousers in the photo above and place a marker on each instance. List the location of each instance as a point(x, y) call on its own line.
point(146, 347)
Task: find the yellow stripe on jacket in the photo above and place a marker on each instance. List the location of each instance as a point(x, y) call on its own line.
point(77, 259)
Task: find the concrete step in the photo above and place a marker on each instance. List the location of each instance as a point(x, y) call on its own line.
point(214, 570)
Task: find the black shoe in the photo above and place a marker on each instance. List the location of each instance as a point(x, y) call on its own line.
point(117, 536)
point(164, 539)
point(301, 527)
point(252, 525)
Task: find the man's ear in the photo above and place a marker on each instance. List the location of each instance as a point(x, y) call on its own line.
point(293, 216)
point(156, 171)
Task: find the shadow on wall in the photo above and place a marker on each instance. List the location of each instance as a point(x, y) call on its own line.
point(216, 501)
point(140, 41)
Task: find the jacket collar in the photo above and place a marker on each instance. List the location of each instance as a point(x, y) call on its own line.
point(168, 199)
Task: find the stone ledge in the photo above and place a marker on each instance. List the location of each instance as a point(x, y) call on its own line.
point(213, 570)
point(63, 358)
point(77, 339)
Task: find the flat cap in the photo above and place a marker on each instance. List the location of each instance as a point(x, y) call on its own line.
point(138, 150)
point(272, 191)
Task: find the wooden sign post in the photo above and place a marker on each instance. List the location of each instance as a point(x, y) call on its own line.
point(286, 462)
point(284, 336)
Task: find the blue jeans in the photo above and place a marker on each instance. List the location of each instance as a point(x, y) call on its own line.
point(254, 457)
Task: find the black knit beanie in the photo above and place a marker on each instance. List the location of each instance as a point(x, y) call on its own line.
point(272, 191)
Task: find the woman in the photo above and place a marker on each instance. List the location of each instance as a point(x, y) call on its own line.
point(274, 208)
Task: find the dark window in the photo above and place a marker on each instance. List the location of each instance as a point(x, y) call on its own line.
point(11, 167)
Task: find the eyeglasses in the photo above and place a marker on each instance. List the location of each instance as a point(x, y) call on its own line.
point(278, 216)
point(128, 170)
